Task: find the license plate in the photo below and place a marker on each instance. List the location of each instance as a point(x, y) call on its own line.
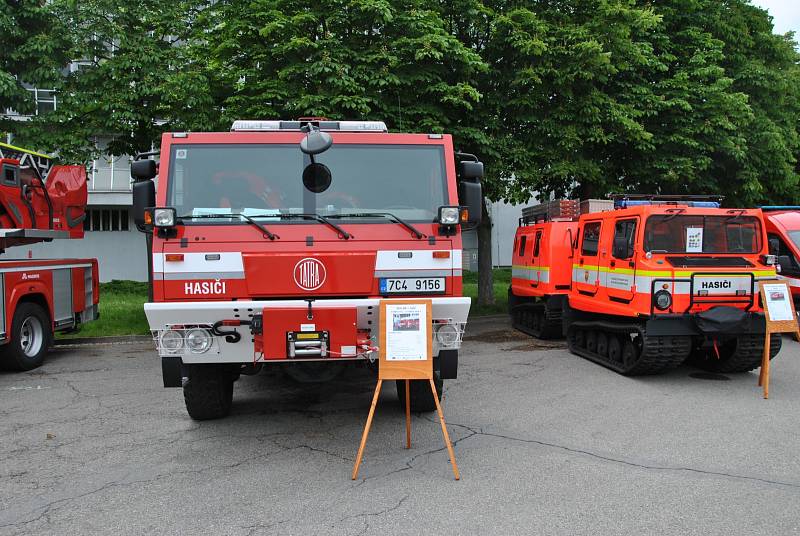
point(412, 285)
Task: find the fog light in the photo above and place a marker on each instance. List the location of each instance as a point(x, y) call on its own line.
point(663, 300)
point(198, 340)
point(447, 335)
point(171, 341)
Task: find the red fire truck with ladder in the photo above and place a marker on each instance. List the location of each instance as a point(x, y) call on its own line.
point(273, 243)
point(40, 202)
point(656, 281)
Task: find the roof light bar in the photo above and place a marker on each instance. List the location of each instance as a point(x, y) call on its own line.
point(294, 126)
point(768, 208)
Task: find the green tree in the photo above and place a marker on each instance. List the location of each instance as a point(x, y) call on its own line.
point(135, 79)
point(32, 51)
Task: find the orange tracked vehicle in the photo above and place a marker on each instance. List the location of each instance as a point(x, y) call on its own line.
point(662, 279)
point(541, 270)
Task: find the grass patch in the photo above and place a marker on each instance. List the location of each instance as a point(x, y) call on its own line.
point(122, 306)
point(501, 279)
point(121, 312)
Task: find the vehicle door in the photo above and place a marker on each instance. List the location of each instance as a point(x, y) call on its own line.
point(621, 273)
point(520, 269)
point(536, 263)
point(586, 273)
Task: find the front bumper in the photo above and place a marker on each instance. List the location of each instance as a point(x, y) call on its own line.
point(664, 325)
point(183, 316)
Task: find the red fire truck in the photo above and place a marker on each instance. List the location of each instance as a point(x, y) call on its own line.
point(40, 202)
point(783, 235)
point(273, 244)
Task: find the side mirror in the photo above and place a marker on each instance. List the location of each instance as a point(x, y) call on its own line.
point(144, 197)
point(470, 171)
point(785, 263)
point(470, 195)
point(142, 170)
point(316, 142)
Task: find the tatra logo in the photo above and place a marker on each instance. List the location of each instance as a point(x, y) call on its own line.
point(204, 287)
point(309, 274)
point(715, 284)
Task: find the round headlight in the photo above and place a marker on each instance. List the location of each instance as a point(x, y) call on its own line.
point(164, 217)
point(663, 300)
point(447, 335)
point(171, 341)
point(198, 340)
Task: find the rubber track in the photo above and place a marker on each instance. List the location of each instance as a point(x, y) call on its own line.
point(659, 354)
point(747, 356)
point(552, 328)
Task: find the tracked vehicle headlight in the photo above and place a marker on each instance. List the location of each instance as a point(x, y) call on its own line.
point(663, 300)
point(171, 341)
point(198, 340)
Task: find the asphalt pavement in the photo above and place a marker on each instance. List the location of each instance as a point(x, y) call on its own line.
point(547, 443)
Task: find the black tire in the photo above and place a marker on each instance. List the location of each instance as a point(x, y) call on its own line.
point(421, 396)
point(591, 341)
point(614, 348)
point(208, 391)
point(629, 354)
point(31, 336)
point(602, 344)
point(741, 354)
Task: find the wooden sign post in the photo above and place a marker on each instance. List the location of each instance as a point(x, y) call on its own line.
point(406, 353)
point(780, 317)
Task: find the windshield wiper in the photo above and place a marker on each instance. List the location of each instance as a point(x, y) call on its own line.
point(322, 219)
point(267, 233)
point(388, 215)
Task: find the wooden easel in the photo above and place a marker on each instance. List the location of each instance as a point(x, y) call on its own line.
point(774, 326)
point(390, 369)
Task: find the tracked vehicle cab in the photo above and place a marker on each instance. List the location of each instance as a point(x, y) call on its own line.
point(664, 278)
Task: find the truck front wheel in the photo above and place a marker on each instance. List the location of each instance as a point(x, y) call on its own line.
point(421, 396)
point(208, 391)
point(30, 337)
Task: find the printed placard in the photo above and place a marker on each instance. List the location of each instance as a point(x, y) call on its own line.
point(405, 340)
point(778, 302)
point(694, 240)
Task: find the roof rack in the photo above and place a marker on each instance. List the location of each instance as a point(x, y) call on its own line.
point(295, 126)
point(39, 162)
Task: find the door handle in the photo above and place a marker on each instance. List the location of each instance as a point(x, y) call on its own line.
point(613, 263)
point(631, 264)
point(580, 262)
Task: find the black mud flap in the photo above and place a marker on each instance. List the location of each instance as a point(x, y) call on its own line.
point(722, 320)
point(448, 364)
point(171, 371)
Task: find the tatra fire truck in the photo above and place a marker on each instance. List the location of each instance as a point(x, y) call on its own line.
point(273, 244)
point(654, 282)
point(40, 202)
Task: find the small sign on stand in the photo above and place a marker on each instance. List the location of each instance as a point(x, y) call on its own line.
point(780, 317)
point(405, 353)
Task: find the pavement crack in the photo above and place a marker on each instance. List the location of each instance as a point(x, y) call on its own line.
point(365, 516)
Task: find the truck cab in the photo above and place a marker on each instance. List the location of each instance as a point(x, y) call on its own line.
point(272, 244)
point(783, 237)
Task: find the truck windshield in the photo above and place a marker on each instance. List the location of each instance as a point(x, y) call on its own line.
point(408, 181)
point(794, 236)
point(669, 233)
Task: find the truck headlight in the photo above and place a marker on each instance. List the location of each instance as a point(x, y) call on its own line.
point(164, 217)
point(663, 300)
point(447, 335)
point(171, 341)
point(198, 340)
point(449, 215)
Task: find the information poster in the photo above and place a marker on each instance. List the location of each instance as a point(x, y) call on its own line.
point(694, 240)
point(778, 302)
point(406, 332)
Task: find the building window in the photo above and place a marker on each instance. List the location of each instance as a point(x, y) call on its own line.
point(106, 219)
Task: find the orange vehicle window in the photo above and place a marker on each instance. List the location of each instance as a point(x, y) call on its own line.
point(522, 245)
point(536, 244)
point(624, 233)
point(669, 233)
point(591, 239)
